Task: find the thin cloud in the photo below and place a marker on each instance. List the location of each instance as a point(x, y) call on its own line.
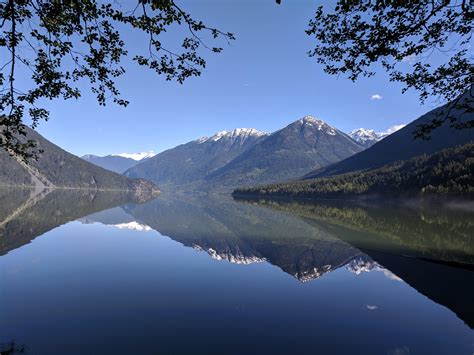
point(395, 128)
point(376, 97)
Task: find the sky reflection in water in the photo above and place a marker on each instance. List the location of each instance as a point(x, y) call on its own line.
point(217, 276)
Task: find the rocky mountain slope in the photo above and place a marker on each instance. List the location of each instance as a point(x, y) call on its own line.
point(367, 137)
point(57, 168)
point(192, 162)
point(289, 153)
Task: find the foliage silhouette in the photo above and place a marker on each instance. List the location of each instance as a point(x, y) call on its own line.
point(64, 42)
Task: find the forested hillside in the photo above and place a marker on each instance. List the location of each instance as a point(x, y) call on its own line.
point(450, 171)
point(57, 168)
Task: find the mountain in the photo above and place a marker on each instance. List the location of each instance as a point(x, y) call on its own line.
point(193, 161)
point(401, 145)
point(289, 153)
point(366, 137)
point(450, 171)
point(136, 156)
point(118, 163)
point(57, 168)
point(245, 234)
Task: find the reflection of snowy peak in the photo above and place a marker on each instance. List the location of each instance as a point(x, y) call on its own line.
point(235, 256)
point(309, 275)
point(131, 225)
point(361, 265)
point(356, 265)
point(136, 226)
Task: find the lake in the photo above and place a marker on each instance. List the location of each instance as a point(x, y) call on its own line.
point(98, 273)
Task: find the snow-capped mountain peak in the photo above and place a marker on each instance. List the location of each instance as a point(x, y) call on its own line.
point(362, 135)
point(319, 124)
point(368, 137)
point(218, 136)
point(136, 156)
point(237, 133)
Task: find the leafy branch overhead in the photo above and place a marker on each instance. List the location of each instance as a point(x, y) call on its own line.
point(60, 43)
point(424, 45)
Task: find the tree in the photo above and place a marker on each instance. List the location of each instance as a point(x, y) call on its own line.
point(62, 42)
point(401, 36)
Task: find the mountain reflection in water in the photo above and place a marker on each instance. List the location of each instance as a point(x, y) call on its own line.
point(431, 251)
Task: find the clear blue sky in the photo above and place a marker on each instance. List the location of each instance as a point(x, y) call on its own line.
point(263, 80)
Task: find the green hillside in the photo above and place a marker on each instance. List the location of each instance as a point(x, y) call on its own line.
point(450, 171)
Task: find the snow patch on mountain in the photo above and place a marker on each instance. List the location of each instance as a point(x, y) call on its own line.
point(363, 135)
point(319, 124)
point(368, 137)
point(237, 134)
point(136, 156)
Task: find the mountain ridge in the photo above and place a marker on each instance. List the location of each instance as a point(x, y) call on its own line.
point(243, 155)
point(56, 168)
point(193, 161)
point(288, 153)
point(118, 163)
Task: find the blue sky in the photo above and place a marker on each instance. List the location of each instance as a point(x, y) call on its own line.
point(264, 80)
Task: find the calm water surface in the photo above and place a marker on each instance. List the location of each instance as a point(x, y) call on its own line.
point(95, 273)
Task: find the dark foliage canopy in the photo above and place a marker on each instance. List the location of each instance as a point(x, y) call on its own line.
point(61, 42)
point(425, 45)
